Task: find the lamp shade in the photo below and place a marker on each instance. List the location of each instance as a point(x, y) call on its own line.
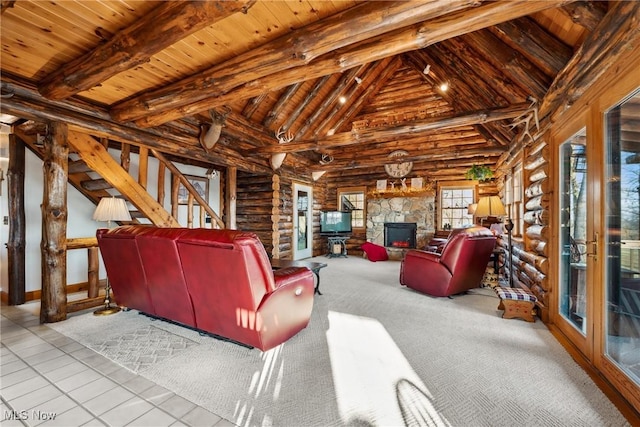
point(490, 206)
point(471, 209)
point(316, 175)
point(112, 209)
point(276, 160)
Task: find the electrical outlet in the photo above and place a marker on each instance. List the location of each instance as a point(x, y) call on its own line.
point(5, 220)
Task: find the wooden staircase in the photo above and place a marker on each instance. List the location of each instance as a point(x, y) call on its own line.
point(96, 174)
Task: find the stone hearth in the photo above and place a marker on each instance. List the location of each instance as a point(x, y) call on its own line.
point(420, 210)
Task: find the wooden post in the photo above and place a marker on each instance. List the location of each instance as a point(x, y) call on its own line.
point(161, 170)
point(93, 276)
point(232, 187)
point(275, 216)
point(53, 304)
point(17, 224)
point(143, 164)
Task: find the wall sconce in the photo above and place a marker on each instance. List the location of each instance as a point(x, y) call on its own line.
point(276, 160)
point(316, 175)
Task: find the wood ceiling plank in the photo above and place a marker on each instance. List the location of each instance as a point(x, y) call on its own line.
point(160, 28)
point(297, 48)
point(395, 42)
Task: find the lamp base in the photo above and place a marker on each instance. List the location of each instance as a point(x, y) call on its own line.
point(105, 311)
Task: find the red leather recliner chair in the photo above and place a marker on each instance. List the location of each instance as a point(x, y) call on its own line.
point(459, 267)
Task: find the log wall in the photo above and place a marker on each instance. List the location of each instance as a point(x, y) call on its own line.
point(265, 207)
point(258, 207)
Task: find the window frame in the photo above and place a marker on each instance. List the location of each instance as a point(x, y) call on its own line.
point(354, 190)
point(455, 185)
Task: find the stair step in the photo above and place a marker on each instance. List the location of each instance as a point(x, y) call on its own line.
point(79, 166)
point(95, 184)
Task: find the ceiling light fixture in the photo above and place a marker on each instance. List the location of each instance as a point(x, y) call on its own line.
point(444, 87)
point(342, 100)
point(426, 70)
point(358, 80)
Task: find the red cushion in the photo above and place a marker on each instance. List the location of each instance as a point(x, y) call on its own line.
point(374, 252)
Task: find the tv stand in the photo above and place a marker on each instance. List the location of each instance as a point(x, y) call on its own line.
point(337, 245)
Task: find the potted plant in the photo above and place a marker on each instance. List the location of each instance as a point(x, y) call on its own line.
point(479, 173)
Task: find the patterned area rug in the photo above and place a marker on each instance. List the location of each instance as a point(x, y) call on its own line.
point(141, 348)
point(374, 354)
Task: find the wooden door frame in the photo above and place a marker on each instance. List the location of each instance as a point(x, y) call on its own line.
point(294, 244)
point(611, 87)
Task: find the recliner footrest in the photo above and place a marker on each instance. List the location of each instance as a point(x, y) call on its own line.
point(516, 303)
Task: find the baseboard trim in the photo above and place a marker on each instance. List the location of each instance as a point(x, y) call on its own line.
point(37, 294)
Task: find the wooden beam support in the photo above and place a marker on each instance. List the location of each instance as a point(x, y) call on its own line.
point(390, 132)
point(28, 104)
point(299, 47)
point(231, 198)
point(443, 24)
point(166, 24)
point(321, 110)
point(616, 35)
point(53, 300)
point(16, 246)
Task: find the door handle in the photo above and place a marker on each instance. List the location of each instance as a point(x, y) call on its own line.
point(594, 244)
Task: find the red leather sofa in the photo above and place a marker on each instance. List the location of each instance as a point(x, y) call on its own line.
point(217, 281)
point(457, 268)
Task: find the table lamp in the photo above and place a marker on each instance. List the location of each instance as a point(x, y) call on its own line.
point(110, 209)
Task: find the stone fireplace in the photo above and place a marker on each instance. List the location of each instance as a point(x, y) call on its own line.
point(400, 235)
point(417, 210)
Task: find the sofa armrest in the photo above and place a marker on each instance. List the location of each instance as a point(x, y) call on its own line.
point(288, 275)
point(417, 254)
point(287, 310)
point(422, 268)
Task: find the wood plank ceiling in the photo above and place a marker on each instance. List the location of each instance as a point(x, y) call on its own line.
point(350, 81)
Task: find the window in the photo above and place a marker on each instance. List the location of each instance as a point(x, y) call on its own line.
point(513, 200)
point(454, 207)
point(353, 200)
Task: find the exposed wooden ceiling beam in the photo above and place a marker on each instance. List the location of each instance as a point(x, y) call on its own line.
point(323, 108)
point(617, 34)
point(196, 94)
point(29, 104)
point(299, 47)
point(588, 14)
point(375, 74)
point(359, 161)
point(365, 136)
point(164, 26)
point(535, 43)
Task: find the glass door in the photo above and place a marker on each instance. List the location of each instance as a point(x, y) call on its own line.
point(622, 238)
point(574, 262)
point(302, 221)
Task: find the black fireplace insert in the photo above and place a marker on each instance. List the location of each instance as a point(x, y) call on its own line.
point(401, 235)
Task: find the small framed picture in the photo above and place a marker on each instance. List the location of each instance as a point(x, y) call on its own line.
point(381, 185)
point(201, 184)
point(416, 183)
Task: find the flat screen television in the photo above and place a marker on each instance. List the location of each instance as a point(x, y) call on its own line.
point(335, 222)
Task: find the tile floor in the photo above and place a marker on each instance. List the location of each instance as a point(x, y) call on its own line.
point(49, 379)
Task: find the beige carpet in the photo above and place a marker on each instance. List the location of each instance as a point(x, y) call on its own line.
point(374, 354)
